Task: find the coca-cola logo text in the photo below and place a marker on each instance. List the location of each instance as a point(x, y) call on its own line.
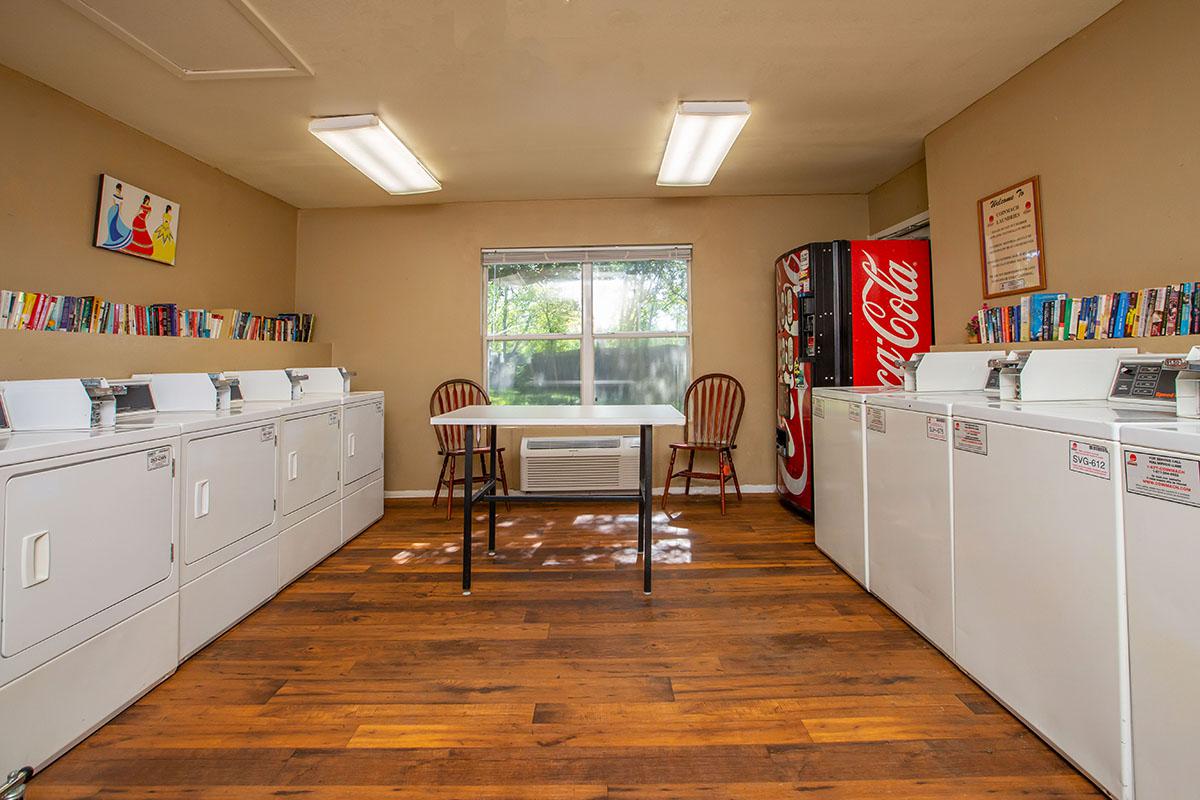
point(893, 316)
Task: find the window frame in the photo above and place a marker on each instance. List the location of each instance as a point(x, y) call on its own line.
point(587, 337)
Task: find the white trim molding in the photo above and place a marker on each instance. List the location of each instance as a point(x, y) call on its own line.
point(898, 230)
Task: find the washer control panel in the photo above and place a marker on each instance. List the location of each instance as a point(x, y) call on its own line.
point(1144, 380)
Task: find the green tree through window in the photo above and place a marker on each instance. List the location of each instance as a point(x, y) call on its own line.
point(602, 330)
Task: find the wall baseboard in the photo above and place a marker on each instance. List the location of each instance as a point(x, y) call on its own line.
point(753, 488)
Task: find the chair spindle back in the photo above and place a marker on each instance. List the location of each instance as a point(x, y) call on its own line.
point(450, 396)
point(713, 406)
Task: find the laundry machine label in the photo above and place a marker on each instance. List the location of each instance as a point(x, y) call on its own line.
point(818, 407)
point(157, 459)
point(970, 437)
point(1163, 477)
point(1089, 459)
point(266, 433)
point(877, 420)
point(935, 428)
point(854, 412)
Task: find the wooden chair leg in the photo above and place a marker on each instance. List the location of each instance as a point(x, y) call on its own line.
point(687, 485)
point(721, 477)
point(450, 490)
point(670, 474)
point(503, 480)
point(437, 492)
point(733, 474)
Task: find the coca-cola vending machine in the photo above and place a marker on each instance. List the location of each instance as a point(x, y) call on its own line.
point(846, 313)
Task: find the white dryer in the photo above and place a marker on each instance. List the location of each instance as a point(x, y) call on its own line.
point(310, 442)
point(89, 585)
point(840, 491)
point(1039, 583)
point(362, 444)
point(229, 519)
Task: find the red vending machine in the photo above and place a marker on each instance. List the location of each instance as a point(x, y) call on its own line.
point(846, 313)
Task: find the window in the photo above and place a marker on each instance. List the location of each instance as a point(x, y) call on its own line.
point(597, 325)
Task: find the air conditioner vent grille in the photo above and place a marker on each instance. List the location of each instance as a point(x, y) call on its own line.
point(596, 443)
point(579, 464)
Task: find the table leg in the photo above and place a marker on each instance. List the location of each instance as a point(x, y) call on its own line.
point(641, 547)
point(647, 474)
point(492, 500)
point(468, 514)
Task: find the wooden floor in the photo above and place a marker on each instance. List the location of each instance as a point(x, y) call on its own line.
point(757, 670)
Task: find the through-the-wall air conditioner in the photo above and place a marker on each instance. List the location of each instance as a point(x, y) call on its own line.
point(579, 463)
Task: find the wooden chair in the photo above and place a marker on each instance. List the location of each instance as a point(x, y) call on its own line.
point(712, 407)
point(448, 396)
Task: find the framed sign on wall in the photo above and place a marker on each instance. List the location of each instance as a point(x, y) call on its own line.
point(1010, 240)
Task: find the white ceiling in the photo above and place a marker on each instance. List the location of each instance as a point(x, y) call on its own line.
point(536, 99)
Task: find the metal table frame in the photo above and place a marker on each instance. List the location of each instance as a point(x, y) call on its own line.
point(488, 492)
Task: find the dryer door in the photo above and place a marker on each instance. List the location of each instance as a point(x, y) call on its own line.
point(311, 451)
point(228, 489)
point(363, 443)
point(81, 538)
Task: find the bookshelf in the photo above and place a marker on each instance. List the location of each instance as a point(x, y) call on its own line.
point(1144, 344)
point(56, 354)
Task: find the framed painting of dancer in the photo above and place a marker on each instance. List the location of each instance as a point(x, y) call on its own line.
point(133, 221)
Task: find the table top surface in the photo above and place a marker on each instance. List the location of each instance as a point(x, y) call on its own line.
point(548, 416)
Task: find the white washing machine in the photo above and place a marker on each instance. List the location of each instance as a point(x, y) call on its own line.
point(840, 493)
point(839, 480)
point(1039, 583)
point(310, 442)
point(89, 616)
point(909, 518)
point(362, 444)
point(228, 508)
point(1161, 471)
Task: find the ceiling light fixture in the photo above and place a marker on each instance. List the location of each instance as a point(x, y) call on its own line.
point(700, 139)
point(372, 148)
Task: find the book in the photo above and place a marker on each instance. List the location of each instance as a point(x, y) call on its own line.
point(1171, 314)
point(1185, 310)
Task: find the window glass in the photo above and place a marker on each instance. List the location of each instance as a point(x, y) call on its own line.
point(633, 371)
point(640, 296)
point(534, 372)
point(534, 298)
point(626, 309)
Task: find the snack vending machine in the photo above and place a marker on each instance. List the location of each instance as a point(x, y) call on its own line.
point(846, 314)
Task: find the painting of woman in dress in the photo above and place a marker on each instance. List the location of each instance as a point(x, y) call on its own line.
point(125, 229)
point(164, 239)
point(119, 234)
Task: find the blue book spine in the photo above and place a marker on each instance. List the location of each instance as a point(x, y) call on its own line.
point(1185, 310)
point(1119, 315)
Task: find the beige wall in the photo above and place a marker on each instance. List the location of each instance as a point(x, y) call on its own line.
point(901, 197)
point(398, 292)
point(1109, 121)
point(237, 245)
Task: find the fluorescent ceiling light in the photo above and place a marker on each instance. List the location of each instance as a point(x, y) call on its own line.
point(376, 152)
point(700, 139)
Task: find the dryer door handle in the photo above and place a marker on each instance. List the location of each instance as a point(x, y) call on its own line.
point(351, 442)
point(200, 505)
point(293, 465)
point(35, 559)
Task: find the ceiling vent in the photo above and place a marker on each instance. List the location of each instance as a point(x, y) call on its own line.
point(197, 39)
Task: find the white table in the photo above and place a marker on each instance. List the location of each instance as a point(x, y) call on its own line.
point(470, 417)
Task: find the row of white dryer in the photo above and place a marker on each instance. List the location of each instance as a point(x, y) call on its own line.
point(141, 518)
point(1031, 515)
